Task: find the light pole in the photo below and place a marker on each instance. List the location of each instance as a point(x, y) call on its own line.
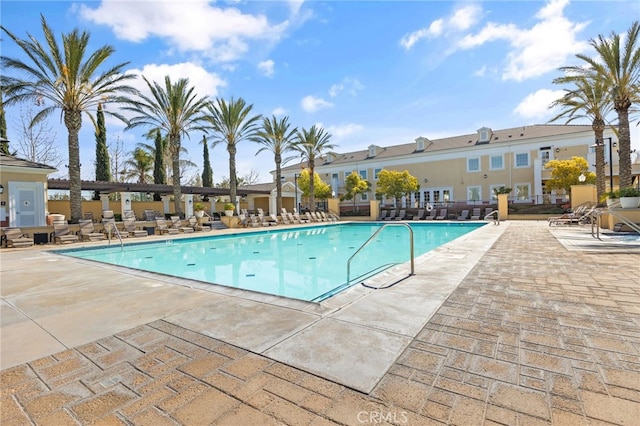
point(600, 143)
point(295, 183)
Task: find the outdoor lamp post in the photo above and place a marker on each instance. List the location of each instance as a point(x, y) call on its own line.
point(600, 143)
point(295, 183)
point(582, 178)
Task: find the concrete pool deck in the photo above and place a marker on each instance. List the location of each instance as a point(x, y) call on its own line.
point(506, 327)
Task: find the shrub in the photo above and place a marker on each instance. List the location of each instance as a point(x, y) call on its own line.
point(629, 192)
point(229, 206)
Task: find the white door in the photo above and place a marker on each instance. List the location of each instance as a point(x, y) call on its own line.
point(26, 204)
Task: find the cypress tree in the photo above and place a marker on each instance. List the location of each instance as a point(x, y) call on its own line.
point(159, 174)
point(103, 168)
point(103, 172)
point(207, 172)
point(4, 143)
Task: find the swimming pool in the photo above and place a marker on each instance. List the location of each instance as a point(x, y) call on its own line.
point(307, 263)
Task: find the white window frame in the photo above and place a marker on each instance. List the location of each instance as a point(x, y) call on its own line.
point(469, 170)
point(478, 188)
point(545, 153)
point(364, 196)
point(515, 160)
point(420, 145)
point(492, 194)
point(491, 167)
point(363, 174)
point(376, 173)
point(516, 189)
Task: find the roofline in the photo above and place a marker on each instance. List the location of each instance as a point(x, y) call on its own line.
point(109, 187)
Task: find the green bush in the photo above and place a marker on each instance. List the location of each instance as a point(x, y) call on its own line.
point(229, 206)
point(629, 192)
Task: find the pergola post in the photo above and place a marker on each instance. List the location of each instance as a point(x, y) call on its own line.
point(188, 205)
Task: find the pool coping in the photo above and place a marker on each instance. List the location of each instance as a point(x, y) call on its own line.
point(366, 327)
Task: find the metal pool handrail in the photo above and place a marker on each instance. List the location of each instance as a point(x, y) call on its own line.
point(117, 232)
point(375, 234)
point(496, 219)
point(595, 223)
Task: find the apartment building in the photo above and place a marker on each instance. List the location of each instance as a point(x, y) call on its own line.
point(467, 168)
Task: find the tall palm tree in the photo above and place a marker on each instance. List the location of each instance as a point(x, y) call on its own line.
point(277, 137)
point(65, 78)
point(589, 99)
point(311, 144)
point(618, 65)
point(139, 166)
point(176, 109)
point(232, 123)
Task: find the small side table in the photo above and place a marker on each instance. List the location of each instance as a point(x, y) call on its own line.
point(40, 238)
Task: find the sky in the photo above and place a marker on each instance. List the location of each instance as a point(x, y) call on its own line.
point(368, 72)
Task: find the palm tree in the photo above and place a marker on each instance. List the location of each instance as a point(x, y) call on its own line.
point(66, 79)
point(176, 110)
point(311, 145)
point(232, 123)
point(139, 166)
point(619, 67)
point(275, 136)
point(588, 99)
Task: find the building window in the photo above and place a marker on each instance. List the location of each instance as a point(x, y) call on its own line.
point(363, 174)
point(376, 172)
point(420, 144)
point(473, 164)
point(492, 189)
point(474, 193)
point(497, 162)
point(545, 156)
point(364, 196)
point(522, 160)
point(523, 192)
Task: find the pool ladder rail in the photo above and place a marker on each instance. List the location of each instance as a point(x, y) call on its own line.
point(596, 218)
point(116, 231)
point(371, 238)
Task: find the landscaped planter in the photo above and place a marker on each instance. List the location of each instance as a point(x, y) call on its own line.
point(629, 202)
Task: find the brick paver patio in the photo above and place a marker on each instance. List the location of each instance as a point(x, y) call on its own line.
point(535, 334)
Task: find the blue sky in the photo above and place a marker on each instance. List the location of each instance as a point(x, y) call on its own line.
point(381, 72)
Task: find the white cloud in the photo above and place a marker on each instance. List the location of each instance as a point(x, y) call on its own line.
point(313, 104)
point(195, 26)
point(266, 67)
point(460, 20)
point(349, 84)
point(536, 105)
point(205, 83)
point(537, 50)
point(279, 111)
point(344, 130)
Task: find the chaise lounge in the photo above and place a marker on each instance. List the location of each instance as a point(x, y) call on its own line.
point(16, 238)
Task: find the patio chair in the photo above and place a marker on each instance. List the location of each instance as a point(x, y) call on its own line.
point(88, 216)
point(193, 222)
point(176, 223)
point(401, 215)
point(108, 216)
point(475, 215)
point(392, 215)
point(254, 221)
point(487, 212)
point(88, 232)
point(432, 214)
point(130, 227)
point(150, 215)
point(464, 214)
point(15, 238)
point(129, 214)
point(442, 215)
point(62, 234)
point(420, 215)
point(383, 215)
point(163, 228)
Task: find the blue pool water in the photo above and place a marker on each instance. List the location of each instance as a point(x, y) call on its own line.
point(302, 263)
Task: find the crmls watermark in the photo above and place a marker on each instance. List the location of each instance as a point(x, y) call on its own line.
point(373, 417)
